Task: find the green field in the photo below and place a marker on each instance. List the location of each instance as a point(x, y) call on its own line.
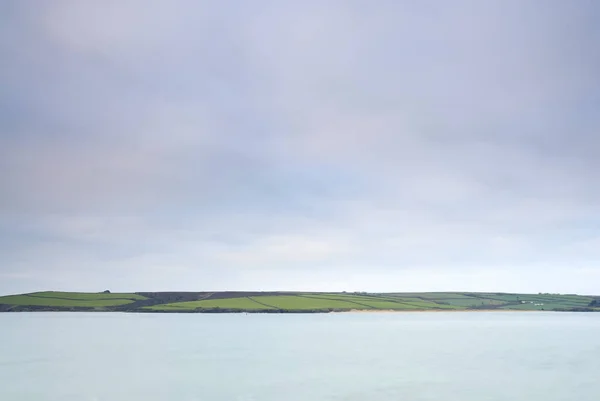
point(70, 299)
point(227, 303)
point(85, 296)
point(277, 302)
point(384, 302)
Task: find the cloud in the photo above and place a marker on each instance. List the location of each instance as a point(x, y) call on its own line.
point(397, 146)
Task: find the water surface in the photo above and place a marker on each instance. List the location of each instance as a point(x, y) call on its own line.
point(311, 357)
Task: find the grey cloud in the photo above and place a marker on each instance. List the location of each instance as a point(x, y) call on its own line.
point(275, 145)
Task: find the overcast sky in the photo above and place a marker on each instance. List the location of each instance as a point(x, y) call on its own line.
point(300, 145)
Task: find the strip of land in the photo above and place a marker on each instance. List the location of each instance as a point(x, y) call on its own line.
point(294, 302)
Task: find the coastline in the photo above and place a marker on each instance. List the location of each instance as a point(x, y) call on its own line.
point(294, 302)
point(442, 310)
point(286, 312)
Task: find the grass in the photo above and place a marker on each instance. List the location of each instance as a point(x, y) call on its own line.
point(226, 303)
point(470, 302)
point(299, 302)
point(85, 296)
point(540, 301)
point(70, 299)
point(502, 300)
point(383, 302)
point(430, 295)
point(305, 301)
point(290, 301)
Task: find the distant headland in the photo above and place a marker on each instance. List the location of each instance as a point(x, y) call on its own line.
point(294, 302)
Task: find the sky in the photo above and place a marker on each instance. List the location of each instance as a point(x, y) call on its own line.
point(300, 145)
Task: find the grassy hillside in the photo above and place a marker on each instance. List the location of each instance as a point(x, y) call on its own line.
point(277, 302)
point(68, 300)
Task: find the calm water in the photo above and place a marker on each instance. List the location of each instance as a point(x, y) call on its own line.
point(354, 356)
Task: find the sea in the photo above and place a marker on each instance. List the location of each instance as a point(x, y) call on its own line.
point(411, 356)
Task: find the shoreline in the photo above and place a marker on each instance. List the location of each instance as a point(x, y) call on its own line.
point(442, 310)
point(291, 312)
point(294, 302)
